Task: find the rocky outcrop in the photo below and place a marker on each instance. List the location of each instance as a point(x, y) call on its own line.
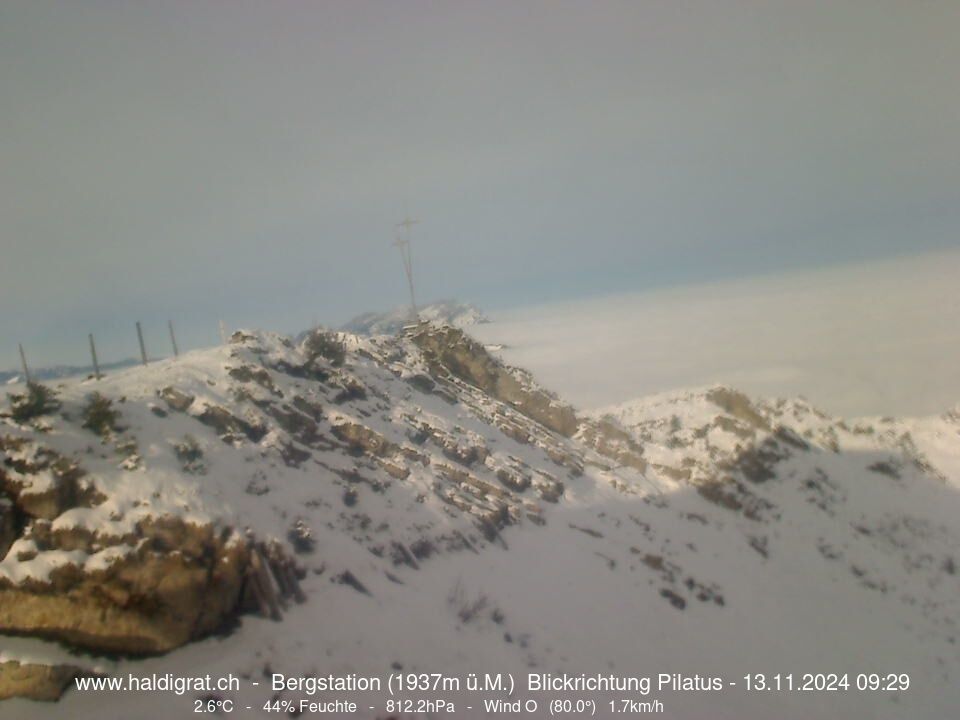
point(34, 681)
point(450, 352)
point(7, 526)
point(610, 440)
point(362, 440)
point(228, 426)
point(175, 399)
point(177, 582)
point(131, 589)
point(738, 405)
point(40, 482)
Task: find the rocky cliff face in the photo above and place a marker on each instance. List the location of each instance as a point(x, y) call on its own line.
point(450, 353)
point(88, 564)
point(153, 590)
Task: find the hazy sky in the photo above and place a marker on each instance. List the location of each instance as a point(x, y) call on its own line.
point(248, 160)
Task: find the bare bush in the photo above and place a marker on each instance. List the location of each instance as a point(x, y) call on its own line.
point(467, 609)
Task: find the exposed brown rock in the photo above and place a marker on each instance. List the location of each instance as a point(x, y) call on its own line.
point(678, 474)
point(364, 440)
point(175, 399)
point(738, 405)
point(247, 374)
point(737, 427)
point(612, 441)
point(549, 488)
point(7, 526)
point(449, 351)
point(228, 426)
point(41, 486)
point(756, 463)
point(300, 426)
point(181, 584)
point(395, 470)
point(513, 479)
point(35, 682)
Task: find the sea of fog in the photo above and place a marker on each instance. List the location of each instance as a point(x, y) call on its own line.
point(881, 338)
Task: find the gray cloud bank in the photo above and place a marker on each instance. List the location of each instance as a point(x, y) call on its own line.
point(877, 338)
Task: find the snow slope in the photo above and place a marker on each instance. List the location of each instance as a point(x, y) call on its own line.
point(753, 537)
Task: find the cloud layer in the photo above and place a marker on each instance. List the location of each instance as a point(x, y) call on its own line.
point(877, 338)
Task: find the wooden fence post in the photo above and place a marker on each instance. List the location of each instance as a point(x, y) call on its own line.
point(23, 362)
point(173, 339)
point(93, 354)
point(143, 350)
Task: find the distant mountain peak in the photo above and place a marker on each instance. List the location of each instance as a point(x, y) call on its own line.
point(448, 312)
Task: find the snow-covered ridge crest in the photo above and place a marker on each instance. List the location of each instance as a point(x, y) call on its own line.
point(445, 312)
point(704, 429)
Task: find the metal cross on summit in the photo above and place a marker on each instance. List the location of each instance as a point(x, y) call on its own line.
point(403, 243)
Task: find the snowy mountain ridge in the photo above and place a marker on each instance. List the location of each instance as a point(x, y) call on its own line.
point(434, 509)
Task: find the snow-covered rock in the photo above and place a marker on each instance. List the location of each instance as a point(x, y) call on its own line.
point(446, 312)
